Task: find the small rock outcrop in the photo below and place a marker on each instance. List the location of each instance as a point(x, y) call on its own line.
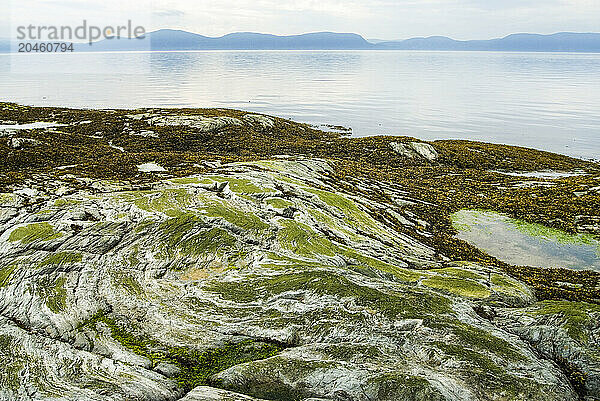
point(19, 143)
point(415, 150)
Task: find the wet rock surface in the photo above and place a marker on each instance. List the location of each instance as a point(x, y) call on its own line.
point(272, 279)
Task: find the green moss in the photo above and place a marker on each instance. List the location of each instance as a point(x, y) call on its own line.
point(279, 203)
point(393, 305)
point(400, 386)
point(280, 262)
point(171, 202)
point(484, 357)
point(174, 230)
point(213, 241)
point(484, 341)
point(333, 223)
point(269, 164)
point(481, 371)
point(190, 180)
point(176, 234)
point(61, 258)
point(127, 282)
point(66, 202)
point(123, 334)
point(144, 226)
point(459, 273)
point(577, 316)
point(12, 362)
point(196, 367)
point(6, 274)
point(6, 198)
point(398, 272)
point(34, 232)
point(457, 286)
point(553, 234)
point(132, 258)
point(302, 240)
point(267, 384)
point(507, 285)
point(240, 218)
point(289, 180)
point(53, 293)
point(354, 216)
point(242, 185)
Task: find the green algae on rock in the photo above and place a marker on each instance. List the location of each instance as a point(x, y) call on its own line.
point(275, 261)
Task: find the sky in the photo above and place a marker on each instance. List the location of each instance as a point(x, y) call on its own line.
point(373, 19)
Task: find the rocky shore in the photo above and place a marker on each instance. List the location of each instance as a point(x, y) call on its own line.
point(210, 254)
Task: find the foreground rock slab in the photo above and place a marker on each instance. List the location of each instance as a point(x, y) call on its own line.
point(259, 280)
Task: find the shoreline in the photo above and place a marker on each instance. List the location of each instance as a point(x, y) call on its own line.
point(324, 126)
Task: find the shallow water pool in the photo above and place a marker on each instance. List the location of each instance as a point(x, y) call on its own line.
point(520, 243)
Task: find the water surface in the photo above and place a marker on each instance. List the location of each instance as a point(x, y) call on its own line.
point(523, 244)
point(548, 101)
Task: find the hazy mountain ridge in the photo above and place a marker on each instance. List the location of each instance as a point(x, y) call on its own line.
point(166, 39)
point(564, 41)
point(174, 40)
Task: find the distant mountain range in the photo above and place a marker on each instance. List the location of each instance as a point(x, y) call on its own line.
point(523, 42)
point(172, 40)
point(167, 39)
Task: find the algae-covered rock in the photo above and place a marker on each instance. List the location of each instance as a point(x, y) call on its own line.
point(275, 279)
point(163, 284)
point(566, 332)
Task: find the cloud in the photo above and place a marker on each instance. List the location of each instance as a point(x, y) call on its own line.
point(168, 13)
point(393, 19)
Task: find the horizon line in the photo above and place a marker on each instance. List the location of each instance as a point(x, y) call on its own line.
point(354, 33)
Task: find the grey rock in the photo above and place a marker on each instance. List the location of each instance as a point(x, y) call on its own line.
point(167, 369)
point(549, 327)
point(20, 143)
point(115, 275)
point(415, 150)
point(204, 393)
point(263, 123)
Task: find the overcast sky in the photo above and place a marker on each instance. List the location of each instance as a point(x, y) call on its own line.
point(385, 19)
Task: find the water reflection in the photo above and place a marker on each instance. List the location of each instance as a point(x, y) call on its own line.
point(523, 244)
point(546, 101)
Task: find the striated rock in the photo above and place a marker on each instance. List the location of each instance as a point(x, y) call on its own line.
point(204, 393)
point(262, 279)
point(415, 150)
point(199, 123)
point(566, 332)
point(167, 369)
point(264, 123)
point(37, 367)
